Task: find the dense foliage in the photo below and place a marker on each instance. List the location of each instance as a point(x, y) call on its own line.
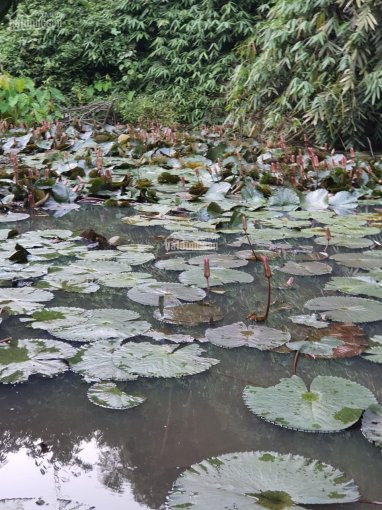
point(22, 102)
point(174, 53)
point(315, 67)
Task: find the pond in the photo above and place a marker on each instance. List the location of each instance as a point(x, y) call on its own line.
point(56, 444)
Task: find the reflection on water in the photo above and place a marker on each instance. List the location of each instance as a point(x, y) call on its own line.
point(128, 460)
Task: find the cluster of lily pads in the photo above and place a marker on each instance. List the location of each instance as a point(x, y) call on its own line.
point(105, 346)
point(56, 166)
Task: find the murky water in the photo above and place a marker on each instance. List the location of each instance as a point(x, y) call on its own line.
point(128, 460)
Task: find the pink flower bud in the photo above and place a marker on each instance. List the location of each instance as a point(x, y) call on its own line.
point(290, 282)
point(244, 223)
point(328, 234)
point(207, 271)
point(267, 269)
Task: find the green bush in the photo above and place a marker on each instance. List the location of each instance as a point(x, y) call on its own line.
point(176, 51)
point(314, 66)
point(22, 102)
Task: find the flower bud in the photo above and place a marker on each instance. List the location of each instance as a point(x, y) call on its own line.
point(267, 269)
point(244, 223)
point(207, 271)
point(328, 234)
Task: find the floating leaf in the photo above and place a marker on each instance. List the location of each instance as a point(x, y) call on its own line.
point(346, 241)
point(365, 260)
point(306, 268)
point(23, 358)
point(372, 425)
point(331, 404)
point(347, 309)
point(284, 199)
point(219, 276)
point(324, 348)
point(158, 336)
point(150, 293)
point(96, 362)
point(175, 264)
point(79, 325)
point(238, 334)
point(358, 285)
point(10, 217)
point(23, 300)
point(110, 396)
point(258, 481)
point(148, 360)
point(126, 280)
point(219, 260)
point(189, 314)
point(315, 200)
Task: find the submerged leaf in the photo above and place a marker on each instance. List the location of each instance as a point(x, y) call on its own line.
point(331, 404)
point(372, 425)
point(110, 396)
point(189, 314)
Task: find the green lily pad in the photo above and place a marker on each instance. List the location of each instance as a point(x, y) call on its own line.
point(69, 280)
point(372, 425)
point(150, 293)
point(219, 276)
point(239, 334)
point(148, 360)
point(174, 264)
point(219, 260)
point(345, 241)
point(365, 260)
point(330, 405)
point(126, 280)
point(284, 199)
point(96, 362)
point(108, 395)
point(347, 309)
point(23, 300)
point(10, 217)
point(79, 325)
point(189, 314)
point(260, 480)
point(23, 358)
point(22, 271)
point(325, 347)
point(358, 285)
point(305, 268)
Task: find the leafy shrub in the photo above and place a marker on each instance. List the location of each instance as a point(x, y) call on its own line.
point(22, 102)
point(174, 51)
point(314, 66)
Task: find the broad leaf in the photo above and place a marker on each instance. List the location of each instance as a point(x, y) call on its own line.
point(23, 300)
point(258, 481)
point(331, 404)
point(347, 309)
point(171, 293)
point(239, 334)
point(372, 425)
point(189, 314)
point(219, 276)
point(306, 268)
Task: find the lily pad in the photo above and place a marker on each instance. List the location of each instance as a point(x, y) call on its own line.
point(23, 358)
point(148, 360)
point(260, 480)
point(345, 241)
point(358, 285)
point(330, 405)
point(365, 260)
point(189, 314)
point(347, 309)
point(372, 425)
point(96, 362)
point(306, 268)
point(174, 264)
point(108, 395)
point(219, 276)
point(126, 280)
point(23, 300)
point(219, 260)
point(79, 325)
point(10, 217)
point(284, 199)
point(325, 347)
point(150, 293)
point(239, 334)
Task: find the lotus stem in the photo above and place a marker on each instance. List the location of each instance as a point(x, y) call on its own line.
point(295, 362)
point(328, 237)
point(268, 276)
point(245, 228)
